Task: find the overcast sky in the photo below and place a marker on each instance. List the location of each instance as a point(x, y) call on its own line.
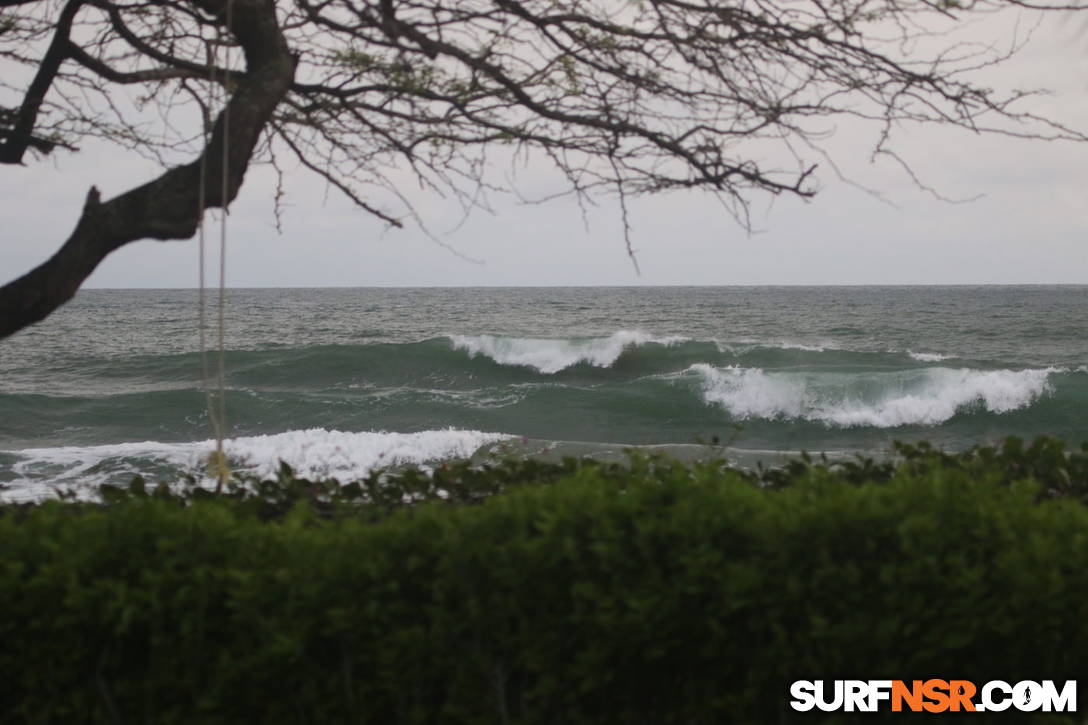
point(1030, 226)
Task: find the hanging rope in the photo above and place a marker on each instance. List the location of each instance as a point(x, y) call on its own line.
point(216, 403)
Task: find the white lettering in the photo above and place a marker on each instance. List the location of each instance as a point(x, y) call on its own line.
point(996, 704)
point(1027, 696)
point(1064, 701)
point(855, 696)
point(834, 704)
point(878, 690)
point(803, 697)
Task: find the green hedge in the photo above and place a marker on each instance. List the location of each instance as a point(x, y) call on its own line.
point(653, 593)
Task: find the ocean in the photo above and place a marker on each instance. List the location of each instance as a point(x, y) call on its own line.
point(337, 382)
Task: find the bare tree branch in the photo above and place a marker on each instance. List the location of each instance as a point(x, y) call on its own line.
point(168, 207)
point(21, 135)
point(623, 98)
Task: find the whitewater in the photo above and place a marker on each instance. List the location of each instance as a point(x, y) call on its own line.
point(341, 383)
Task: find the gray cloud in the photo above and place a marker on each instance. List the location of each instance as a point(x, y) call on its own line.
point(1029, 227)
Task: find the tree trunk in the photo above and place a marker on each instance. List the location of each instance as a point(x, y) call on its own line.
point(170, 206)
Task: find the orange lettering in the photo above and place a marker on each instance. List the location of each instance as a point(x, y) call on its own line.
point(913, 696)
point(932, 689)
point(961, 692)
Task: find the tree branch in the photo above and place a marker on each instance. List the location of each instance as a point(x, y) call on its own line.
point(21, 135)
point(168, 207)
point(154, 75)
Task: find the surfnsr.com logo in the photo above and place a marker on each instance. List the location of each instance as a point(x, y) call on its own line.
point(933, 696)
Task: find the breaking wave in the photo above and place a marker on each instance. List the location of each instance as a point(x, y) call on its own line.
point(927, 396)
point(928, 356)
point(550, 355)
point(314, 453)
point(628, 387)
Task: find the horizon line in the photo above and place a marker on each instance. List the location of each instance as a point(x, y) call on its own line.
point(600, 286)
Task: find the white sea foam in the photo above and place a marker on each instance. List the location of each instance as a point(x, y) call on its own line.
point(928, 356)
point(882, 400)
point(550, 355)
point(315, 453)
point(806, 347)
point(750, 343)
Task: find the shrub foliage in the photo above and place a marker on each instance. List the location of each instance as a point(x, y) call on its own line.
point(528, 592)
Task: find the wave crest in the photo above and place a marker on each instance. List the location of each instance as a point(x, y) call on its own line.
point(928, 356)
point(881, 400)
point(551, 355)
point(314, 453)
